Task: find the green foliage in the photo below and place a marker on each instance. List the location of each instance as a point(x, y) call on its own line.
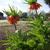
point(30, 1)
point(29, 18)
point(48, 23)
point(36, 38)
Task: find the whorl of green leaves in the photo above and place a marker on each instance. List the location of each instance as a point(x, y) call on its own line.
point(30, 1)
point(11, 12)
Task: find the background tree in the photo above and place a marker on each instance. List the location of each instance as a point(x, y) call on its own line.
point(47, 2)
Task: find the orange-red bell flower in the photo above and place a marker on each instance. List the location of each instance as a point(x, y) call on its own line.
point(35, 6)
point(13, 20)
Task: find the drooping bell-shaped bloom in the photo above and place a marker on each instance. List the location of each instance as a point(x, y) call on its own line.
point(13, 20)
point(35, 6)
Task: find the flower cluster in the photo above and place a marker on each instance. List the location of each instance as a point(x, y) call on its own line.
point(35, 6)
point(12, 20)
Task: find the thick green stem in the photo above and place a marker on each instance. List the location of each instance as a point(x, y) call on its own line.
point(15, 26)
point(36, 13)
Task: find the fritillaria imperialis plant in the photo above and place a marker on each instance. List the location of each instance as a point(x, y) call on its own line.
point(13, 16)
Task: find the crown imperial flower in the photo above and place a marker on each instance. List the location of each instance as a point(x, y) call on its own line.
point(35, 6)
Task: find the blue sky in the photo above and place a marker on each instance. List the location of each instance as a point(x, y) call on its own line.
point(21, 6)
